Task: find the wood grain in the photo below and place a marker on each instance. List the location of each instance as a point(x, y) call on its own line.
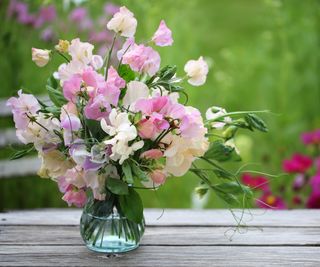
point(152, 256)
point(160, 235)
point(174, 217)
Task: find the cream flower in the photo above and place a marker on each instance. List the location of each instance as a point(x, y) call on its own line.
point(214, 113)
point(135, 91)
point(197, 71)
point(54, 164)
point(123, 22)
point(40, 56)
point(122, 131)
point(81, 51)
point(182, 152)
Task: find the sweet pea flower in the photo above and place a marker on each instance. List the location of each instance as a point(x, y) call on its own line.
point(70, 122)
point(163, 35)
point(77, 198)
point(142, 59)
point(114, 79)
point(152, 154)
point(197, 71)
point(74, 176)
point(158, 177)
point(96, 62)
point(214, 113)
point(78, 14)
point(40, 56)
point(297, 164)
point(63, 185)
point(147, 129)
point(135, 90)
point(72, 87)
point(125, 47)
point(81, 51)
point(191, 125)
point(97, 108)
point(21, 106)
point(123, 22)
point(110, 9)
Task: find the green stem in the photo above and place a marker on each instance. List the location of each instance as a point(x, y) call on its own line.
point(109, 57)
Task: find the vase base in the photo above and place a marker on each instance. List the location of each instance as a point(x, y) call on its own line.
point(112, 245)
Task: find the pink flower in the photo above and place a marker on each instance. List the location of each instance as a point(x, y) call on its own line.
point(310, 138)
point(63, 185)
point(299, 182)
point(77, 198)
point(146, 129)
point(46, 14)
point(78, 14)
point(70, 122)
point(71, 87)
point(111, 9)
point(152, 154)
point(142, 59)
point(163, 36)
point(297, 164)
point(148, 106)
point(115, 79)
point(269, 201)
point(158, 177)
point(191, 125)
point(92, 78)
point(125, 47)
point(256, 182)
point(97, 108)
point(315, 183)
point(21, 106)
point(111, 93)
point(314, 201)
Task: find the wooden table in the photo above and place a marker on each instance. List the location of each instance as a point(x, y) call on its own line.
point(178, 238)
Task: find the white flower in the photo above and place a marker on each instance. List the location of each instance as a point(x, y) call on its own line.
point(214, 113)
point(135, 91)
point(123, 22)
point(66, 70)
point(40, 56)
point(197, 71)
point(96, 62)
point(80, 51)
point(122, 131)
point(182, 152)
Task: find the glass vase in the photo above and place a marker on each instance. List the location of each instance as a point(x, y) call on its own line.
point(104, 229)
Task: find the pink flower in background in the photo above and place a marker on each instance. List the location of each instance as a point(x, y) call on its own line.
point(77, 198)
point(314, 200)
point(111, 9)
point(46, 14)
point(78, 14)
point(269, 201)
point(297, 164)
point(299, 182)
point(256, 182)
point(47, 34)
point(163, 35)
point(311, 138)
point(142, 59)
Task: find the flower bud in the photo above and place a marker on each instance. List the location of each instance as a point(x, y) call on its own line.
point(230, 132)
point(201, 191)
point(40, 56)
point(62, 46)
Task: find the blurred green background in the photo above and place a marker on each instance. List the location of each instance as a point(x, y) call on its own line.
point(264, 55)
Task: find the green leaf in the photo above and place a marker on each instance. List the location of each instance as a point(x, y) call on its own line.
point(223, 174)
point(233, 188)
point(95, 129)
point(255, 122)
point(127, 172)
point(167, 72)
point(131, 205)
point(228, 198)
point(138, 173)
point(21, 153)
point(126, 73)
point(221, 152)
point(56, 96)
point(117, 186)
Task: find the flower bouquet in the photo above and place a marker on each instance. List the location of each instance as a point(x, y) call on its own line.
point(112, 128)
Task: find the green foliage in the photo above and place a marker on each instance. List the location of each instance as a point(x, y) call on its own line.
point(126, 169)
point(117, 186)
point(255, 122)
point(131, 205)
point(139, 173)
point(23, 152)
point(126, 73)
point(54, 93)
point(221, 152)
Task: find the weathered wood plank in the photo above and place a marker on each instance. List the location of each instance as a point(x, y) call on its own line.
point(19, 167)
point(161, 256)
point(269, 218)
point(214, 236)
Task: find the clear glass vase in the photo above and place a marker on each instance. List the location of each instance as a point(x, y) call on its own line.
point(104, 229)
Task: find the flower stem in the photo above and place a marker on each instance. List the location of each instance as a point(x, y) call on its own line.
point(107, 60)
